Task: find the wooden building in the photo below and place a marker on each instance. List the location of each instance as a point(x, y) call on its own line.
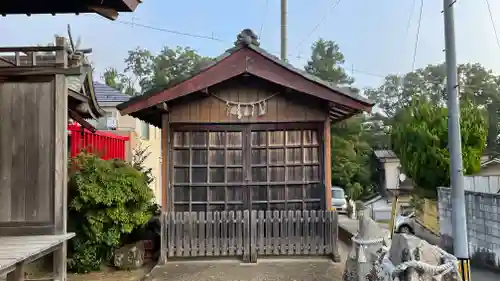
point(40, 88)
point(248, 133)
point(108, 9)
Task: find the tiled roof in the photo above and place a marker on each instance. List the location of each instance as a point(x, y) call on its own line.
point(385, 153)
point(107, 96)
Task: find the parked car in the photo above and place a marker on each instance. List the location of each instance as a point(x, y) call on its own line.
point(339, 199)
point(405, 223)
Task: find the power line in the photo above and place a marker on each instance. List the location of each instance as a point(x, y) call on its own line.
point(212, 38)
point(264, 19)
point(417, 35)
point(493, 22)
point(319, 23)
point(171, 31)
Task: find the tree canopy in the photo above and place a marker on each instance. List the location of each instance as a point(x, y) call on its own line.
point(477, 84)
point(145, 71)
point(420, 139)
point(352, 167)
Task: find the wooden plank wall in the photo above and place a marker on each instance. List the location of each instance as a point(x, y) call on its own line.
point(251, 234)
point(282, 107)
point(26, 156)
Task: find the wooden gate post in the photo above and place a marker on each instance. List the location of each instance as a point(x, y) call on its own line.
point(163, 238)
point(335, 236)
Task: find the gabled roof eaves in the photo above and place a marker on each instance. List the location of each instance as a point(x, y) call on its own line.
point(343, 91)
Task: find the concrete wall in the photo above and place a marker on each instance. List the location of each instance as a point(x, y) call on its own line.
point(391, 169)
point(486, 184)
point(483, 225)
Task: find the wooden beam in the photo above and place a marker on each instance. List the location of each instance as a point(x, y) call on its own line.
point(78, 118)
point(60, 177)
point(110, 14)
point(327, 151)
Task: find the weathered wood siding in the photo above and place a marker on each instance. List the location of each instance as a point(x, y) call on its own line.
point(282, 107)
point(27, 153)
point(250, 234)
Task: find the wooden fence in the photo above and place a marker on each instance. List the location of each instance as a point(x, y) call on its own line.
point(428, 217)
point(249, 234)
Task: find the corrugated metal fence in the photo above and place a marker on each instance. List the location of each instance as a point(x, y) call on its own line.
point(249, 234)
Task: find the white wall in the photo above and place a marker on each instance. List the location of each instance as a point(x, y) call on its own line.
point(391, 169)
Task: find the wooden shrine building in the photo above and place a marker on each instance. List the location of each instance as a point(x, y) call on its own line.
point(40, 88)
point(246, 141)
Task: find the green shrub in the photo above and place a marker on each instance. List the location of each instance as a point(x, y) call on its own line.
point(107, 199)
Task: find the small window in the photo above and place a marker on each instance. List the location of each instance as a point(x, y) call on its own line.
point(144, 130)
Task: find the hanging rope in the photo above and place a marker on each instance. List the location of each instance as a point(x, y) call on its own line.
point(241, 109)
point(450, 264)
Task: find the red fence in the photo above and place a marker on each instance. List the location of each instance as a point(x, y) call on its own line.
point(106, 145)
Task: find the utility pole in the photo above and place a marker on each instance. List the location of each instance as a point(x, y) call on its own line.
point(283, 31)
point(458, 215)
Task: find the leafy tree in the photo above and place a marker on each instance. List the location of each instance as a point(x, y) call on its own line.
point(146, 71)
point(420, 139)
point(352, 165)
point(477, 84)
point(326, 63)
point(119, 81)
point(351, 153)
point(107, 200)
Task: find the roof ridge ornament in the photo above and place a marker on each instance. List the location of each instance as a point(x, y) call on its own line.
point(247, 37)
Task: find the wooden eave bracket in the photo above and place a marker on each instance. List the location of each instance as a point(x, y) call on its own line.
point(162, 106)
point(110, 14)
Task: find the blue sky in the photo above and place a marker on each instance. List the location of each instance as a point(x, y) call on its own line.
point(372, 34)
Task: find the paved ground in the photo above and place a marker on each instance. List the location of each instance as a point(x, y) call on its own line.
point(264, 270)
point(300, 269)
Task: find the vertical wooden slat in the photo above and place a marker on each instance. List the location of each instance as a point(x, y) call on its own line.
point(298, 230)
point(305, 231)
point(260, 234)
point(290, 233)
point(284, 232)
point(193, 231)
point(201, 234)
point(268, 243)
point(217, 233)
point(18, 150)
point(6, 141)
point(178, 234)
point(276, 232)
point(163, 238)
point(231, 234)
point(246, 235)
point(171, 228)
point(210, 234)
point(186, 247)
point(321, 232)
point(253, 236)
point(335, 233)
point(240, 225)
point(313, 237)
point(224, 234)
